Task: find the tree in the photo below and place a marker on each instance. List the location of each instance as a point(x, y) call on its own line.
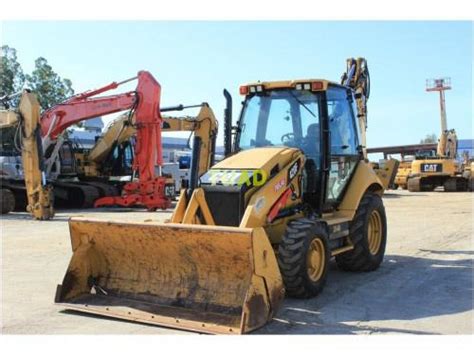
point(11, 74)
point(429, 138)
point(48, 85)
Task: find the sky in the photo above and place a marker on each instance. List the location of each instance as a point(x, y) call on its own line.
point(194, 61)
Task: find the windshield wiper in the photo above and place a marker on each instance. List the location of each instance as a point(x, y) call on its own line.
point(302, 104)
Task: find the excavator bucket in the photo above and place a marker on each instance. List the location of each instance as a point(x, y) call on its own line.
point(209, 279)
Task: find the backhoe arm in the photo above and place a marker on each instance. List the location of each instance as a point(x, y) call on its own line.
point(357, 77)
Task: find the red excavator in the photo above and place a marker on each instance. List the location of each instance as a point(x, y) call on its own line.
point(45, 134)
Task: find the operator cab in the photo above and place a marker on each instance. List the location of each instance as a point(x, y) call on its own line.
point(425, 154)
point(295, 114)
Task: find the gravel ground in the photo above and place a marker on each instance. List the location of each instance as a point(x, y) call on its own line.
point(424, 285)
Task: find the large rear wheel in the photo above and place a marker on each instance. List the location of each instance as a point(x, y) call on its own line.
point(303, 257)
point(368, 233)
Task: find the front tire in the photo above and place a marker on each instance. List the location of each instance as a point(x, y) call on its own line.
point(303, 257)
point(368, 233)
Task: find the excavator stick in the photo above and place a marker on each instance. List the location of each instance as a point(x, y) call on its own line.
point(209, 279)
point(40, 194)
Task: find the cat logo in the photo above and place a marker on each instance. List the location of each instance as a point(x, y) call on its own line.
point(431, 168)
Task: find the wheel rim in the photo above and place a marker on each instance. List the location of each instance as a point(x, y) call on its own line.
point(315, 259)
point(375, 232)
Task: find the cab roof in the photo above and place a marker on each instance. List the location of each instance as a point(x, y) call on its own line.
point(321, 84)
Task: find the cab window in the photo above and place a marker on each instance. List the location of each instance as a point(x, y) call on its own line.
point(344, 152)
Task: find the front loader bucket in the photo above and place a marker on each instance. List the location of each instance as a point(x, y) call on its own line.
point(208, 279)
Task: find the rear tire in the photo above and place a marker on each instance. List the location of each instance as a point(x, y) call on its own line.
point(368, 233)
point(303, 257)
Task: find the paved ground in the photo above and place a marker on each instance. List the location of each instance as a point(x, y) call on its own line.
point(423, 287)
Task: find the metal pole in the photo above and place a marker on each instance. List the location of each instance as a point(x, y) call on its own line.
point(442, 103)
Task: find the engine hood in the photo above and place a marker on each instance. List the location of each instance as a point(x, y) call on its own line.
point(258, 158)
point(247, 165)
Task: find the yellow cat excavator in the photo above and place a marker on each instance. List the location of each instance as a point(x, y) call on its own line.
point(442, 169)
point(203, 126)
point(294, 190)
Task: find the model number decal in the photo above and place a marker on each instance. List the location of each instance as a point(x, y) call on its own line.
point(293, 170)
point(169, 190)
point(280, 184)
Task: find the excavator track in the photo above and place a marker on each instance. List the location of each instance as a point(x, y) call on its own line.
point(455, 184)
point(67, 194)
point(18, 190)
point(75, 195)
point(103, 188)
point(413, 184)
point(7, 200)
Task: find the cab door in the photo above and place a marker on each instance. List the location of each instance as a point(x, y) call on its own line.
point(344, 147)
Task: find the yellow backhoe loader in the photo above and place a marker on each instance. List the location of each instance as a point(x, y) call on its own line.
point(294, 190)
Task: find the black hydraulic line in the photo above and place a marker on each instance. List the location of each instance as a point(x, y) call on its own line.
point(179, 107)
point(193, 181)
